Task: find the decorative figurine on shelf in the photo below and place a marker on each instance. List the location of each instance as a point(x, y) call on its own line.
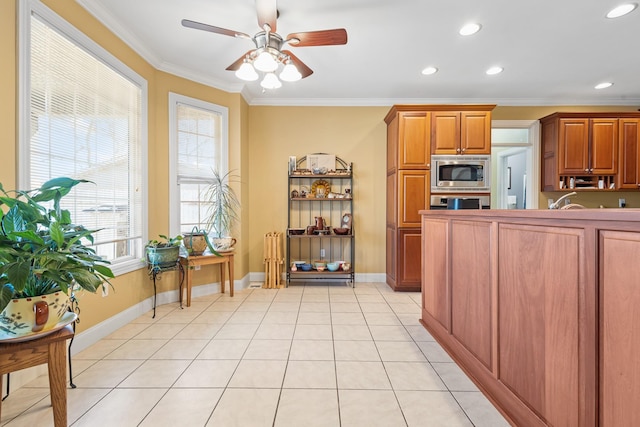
point(294, 194)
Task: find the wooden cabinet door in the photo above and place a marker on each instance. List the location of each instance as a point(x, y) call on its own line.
point(391, 256)
point(392, 199)
point(573, 147)
point(445, 132)
point(604, 146)
point(629, 143)
point(409, 259)
point(413, 196)
point(435, 277)
point(620, 329)
point(475, 134)
point(392, 145)
point(471, 300)
point(413, 140)
point(540, 340)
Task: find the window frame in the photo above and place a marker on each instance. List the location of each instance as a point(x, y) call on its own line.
point(25, 10)
point(223, 167)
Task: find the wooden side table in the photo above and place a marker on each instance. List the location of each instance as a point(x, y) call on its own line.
point(189, 263)
point(50, 349)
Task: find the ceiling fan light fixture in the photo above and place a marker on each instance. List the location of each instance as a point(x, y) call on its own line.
point(247, 72)
point(290, 73)
point(270, 81)
point(621, 10)
point(265, 62)
point(494, 70)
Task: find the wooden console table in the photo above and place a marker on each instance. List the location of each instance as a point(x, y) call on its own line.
point(50, 349)
point(191, 262)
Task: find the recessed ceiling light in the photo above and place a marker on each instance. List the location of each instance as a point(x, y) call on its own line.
point(429, 70)
point(622, 10)
point(470, 29)
point(494, 70)
point(603, 85)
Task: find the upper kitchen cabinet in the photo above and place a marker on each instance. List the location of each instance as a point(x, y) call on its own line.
point(461, 132)
point(629, 168)
point(408, 134)
point(581, 151)
point(587, 146)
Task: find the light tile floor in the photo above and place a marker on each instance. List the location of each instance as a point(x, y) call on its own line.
point(308, 355)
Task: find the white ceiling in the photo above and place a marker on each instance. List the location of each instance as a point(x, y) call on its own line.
point(553, 51)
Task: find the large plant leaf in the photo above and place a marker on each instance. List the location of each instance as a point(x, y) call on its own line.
point(17, 273)
point(6, 294)
point(57, 234)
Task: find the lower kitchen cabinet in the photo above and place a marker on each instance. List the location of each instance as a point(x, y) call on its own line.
point(404, 258)
point(541, 309)
point(620, 333)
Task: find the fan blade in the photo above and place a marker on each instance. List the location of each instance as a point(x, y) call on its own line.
point(267, 14)
point(238, 63)
point(301, 66)
point(319, 38)
point(212, 29)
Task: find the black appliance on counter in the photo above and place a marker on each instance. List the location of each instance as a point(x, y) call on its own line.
point(460, 201)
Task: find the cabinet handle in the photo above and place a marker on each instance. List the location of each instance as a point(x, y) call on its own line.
point(464, 149)
point(586, 170)
point(591, 170)
point(457, 150)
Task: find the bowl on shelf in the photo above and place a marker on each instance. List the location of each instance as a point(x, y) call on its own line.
point(320, 268)
point(305, 267)
point(341, 231)
point(333, 266)
point(319, 264)
point(296, 231)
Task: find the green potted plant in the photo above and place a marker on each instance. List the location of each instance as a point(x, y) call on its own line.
point(223, 212)
point(196, 242)
point(163, 253)
point(43, 256)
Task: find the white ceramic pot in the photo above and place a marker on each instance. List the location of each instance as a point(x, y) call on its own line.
point(34, 314)
point(223, 243)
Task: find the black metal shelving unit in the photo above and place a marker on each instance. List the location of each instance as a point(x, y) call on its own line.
point(304, 205)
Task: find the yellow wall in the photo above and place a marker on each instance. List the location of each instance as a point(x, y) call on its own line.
point(261, 141)
point(356, 134)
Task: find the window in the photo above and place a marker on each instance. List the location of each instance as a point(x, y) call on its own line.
point(84, 116)
point(199, 145)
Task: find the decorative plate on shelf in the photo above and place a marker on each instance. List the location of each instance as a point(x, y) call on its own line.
point(320, 188)
point(7, 336)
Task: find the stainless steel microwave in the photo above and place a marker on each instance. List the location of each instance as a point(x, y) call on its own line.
point(460, 173)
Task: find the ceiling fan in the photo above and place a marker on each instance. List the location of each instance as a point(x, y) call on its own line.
point(268, 53)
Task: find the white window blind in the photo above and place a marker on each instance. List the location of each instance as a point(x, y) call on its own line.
point(199, 141)
point(86, 122)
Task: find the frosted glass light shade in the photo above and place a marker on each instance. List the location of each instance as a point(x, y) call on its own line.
point(270, 81)
point(290, 73)
point(246, 72)
point(265, 62)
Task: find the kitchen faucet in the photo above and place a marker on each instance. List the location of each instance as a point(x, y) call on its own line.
point(556, 204)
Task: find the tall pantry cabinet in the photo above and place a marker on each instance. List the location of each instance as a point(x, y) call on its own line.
point(412, 133)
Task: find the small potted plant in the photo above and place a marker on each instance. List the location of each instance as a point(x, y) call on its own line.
point(163, 253)
point(223, 213)
point(43, 258)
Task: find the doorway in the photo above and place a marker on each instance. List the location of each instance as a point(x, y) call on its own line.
point(516, 164)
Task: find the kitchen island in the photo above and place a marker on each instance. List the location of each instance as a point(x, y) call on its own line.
point(540, 308)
